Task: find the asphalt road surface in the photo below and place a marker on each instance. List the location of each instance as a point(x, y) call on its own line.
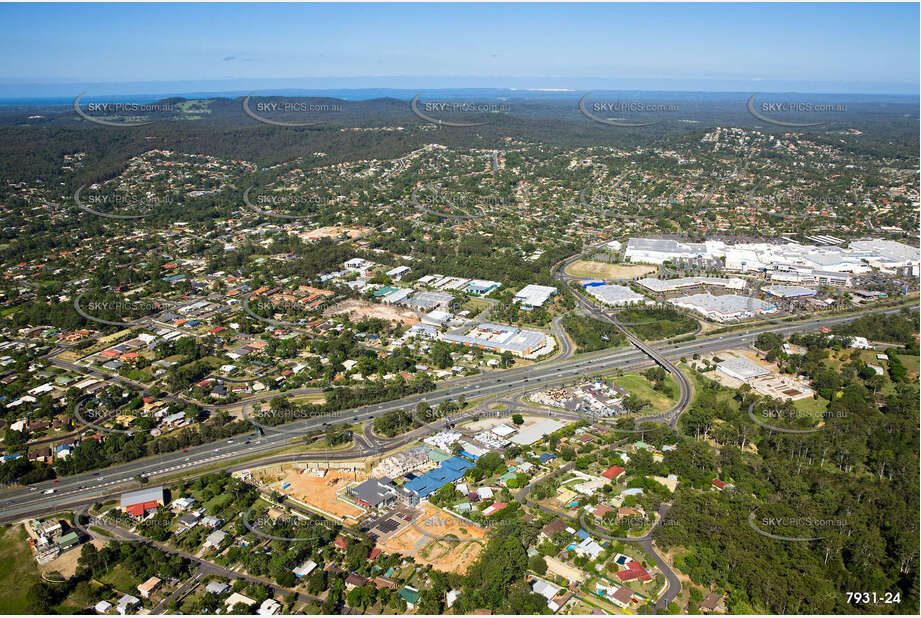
point(79, 489)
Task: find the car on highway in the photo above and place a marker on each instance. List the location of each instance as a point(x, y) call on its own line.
point(33, 488)
point(48, 492)
point(229, 441)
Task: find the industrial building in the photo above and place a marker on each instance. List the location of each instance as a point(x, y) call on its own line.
point(657, 251)
point(395, 296)
point(741, 369)
point(726, 308)
point(671, 285)
point(860, 256)
point(397, 273)
point(789, 291)
point(437, 318)
point(142, 502)
point(479, 287)
point(531, 296)
point(500, 338)
point(535, 432)
point(616, 295)
point(427, 301)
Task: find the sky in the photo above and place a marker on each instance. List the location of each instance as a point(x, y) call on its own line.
point(846, 47)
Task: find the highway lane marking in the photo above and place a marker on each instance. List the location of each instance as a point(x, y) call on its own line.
point(615, 359)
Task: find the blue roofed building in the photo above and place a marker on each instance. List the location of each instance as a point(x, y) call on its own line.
point(451, 469)
point(479, 287)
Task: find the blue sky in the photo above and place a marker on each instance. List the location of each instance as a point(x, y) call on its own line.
point(871, 48)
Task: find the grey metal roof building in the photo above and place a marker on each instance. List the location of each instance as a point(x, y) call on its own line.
point(378, 492)
point(788, 291)
point(151, 494)
point(742, 369)
point(724, 308)
point(500, 338)
point(616, 295)
point(426, 301)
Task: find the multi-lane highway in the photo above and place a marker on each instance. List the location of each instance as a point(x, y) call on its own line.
point(79, 489)
point(600, 313)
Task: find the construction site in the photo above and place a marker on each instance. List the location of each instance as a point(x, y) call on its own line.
point(319, 489)
point(423, 539)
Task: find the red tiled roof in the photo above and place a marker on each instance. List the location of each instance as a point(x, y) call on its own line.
point(601, 510)
point(634, 570)
point(141, 508)
point(613, 472)
point(495, 507)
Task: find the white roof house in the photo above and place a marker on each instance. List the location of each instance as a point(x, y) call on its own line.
point(102, 607)
point(127, 602)
point(305, 569)
point(269, 607)
point(589, 547)
point(215, 538)
point(236, 598)
point(217, 588)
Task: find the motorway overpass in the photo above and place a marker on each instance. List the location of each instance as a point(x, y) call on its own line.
point(89, 486)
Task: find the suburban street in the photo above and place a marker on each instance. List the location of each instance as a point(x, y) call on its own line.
point(18, 503)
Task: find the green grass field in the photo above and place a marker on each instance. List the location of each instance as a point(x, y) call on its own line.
point(657, 323)
point(642, 388)
point(121, 580)
point(816, 406)
point(18, 571)
point(475, 304)
point(912, 363)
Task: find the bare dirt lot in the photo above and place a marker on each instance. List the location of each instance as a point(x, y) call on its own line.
point(333, 231)
point(358, 309)
point(603, 270)
point(319, 492)
point(450, 556)
point(66, 563)
point(490, 422)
